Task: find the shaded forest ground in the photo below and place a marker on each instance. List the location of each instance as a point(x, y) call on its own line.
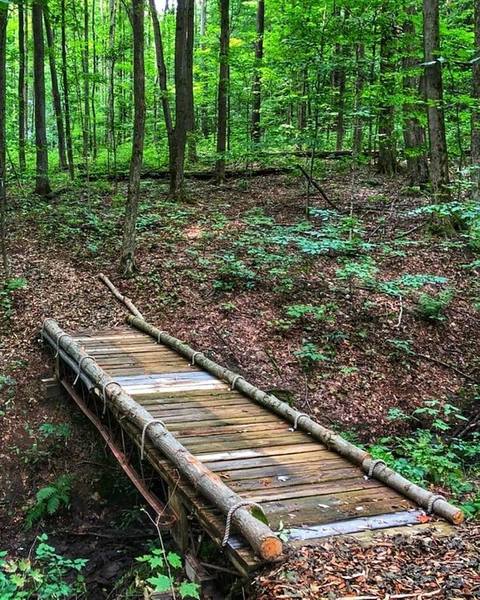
point(324, 312)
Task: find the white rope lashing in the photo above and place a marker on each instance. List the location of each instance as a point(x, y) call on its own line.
point(80, 366)
point(230, 514)
point(235, 379)
point(58, 343)
point(194, 355)
point(159, 337)
point(144, 431)
point(297, 419)
point(104, 394)
point(431, 502)
point(373, 465)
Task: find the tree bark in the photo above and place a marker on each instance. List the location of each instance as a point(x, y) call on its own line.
point(22, 90)
point(387, 151)
point(66, 96)
point(413, 131)
point(257, 77)
point(3, 138)
point(42, 186)
point(476, 111)
point(94, 82)
point(57, 103)
point(261, 538)
point(224, 6)
point(183, 89)
point(127, 264)
point(439, 175)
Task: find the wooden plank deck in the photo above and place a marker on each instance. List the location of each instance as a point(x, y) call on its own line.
point(302, 486)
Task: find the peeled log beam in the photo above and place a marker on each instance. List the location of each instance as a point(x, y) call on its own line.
point(324, 435)
point(260, 537)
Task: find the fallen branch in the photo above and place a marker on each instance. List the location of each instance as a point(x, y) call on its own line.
point(447, 366)
point(318, 188)
point(120, 297)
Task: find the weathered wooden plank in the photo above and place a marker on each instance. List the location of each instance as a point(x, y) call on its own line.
point(239, 444)
point(207, 457)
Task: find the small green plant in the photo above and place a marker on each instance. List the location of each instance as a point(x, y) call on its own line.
point(7, 289)
point(46, 576)
point(233, 273)
point(319, 312)
point(432, 307)
point(309, 355)
point(159, 576)
point(49, 500)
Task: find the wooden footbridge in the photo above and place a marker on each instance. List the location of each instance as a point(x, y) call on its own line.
point(212, 453)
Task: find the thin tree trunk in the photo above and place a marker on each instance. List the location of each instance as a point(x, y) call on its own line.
point(86, 84)
point(413, 131)
point(476, 111)
point(22, 100)
point(3, 137)
point(66, 98)
point(94, 84)
point(191, 121)
point(223, 84)
point(128, 248)
point(57, 103)
point(183, 87)
point(112, 142)
point(203, 109)
point(162, 78)
point(387, 152)
point(257, 79)
point(42, 186)
point(359, 85)
point(439, 175)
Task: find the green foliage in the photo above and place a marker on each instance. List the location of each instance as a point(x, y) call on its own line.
point(309, 355)
point(431, 456)
point(157, 575)
point(432, 307)
point(50, 440)
point(46, 576)
point(7, 290)
point(319, 312)
point(232, 274)
point(49, 500)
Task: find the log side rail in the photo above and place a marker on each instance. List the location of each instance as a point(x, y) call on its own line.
point(263, 541)
point(373, 468)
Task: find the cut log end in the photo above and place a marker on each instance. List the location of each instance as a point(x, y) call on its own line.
point(458, 518)
point(271, 548)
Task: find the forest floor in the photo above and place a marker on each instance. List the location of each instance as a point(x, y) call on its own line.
point(333, 314)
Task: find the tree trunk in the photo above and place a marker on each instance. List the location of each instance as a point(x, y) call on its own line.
point(3, 137)
point(86, 85)
point(57, 103)
point(257, 78)
point(94, 83)
point(111, 138)
point(359, 85)
point(224, 6)
point(131, 210)
point(338, 82)
point(66, 97)
point(439, 176)
point(387, 151)
point(191, 121)
point(22, 90)
point(476, 111)
point(183, 88)
point(42, 186)
point(413, 131)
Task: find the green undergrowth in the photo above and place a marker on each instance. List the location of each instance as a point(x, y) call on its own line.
point(435, 454)
point(43, 575)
